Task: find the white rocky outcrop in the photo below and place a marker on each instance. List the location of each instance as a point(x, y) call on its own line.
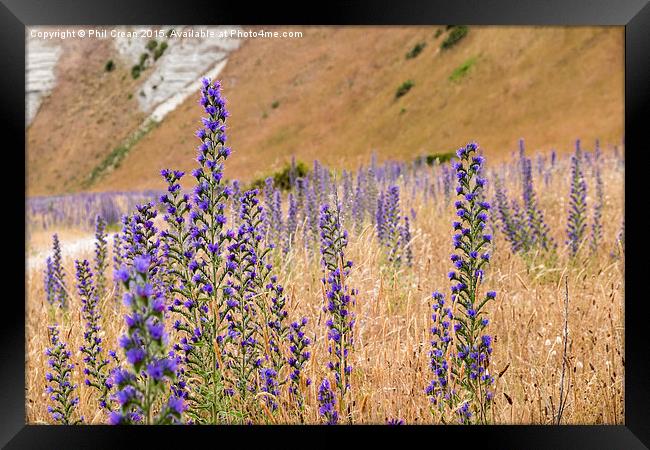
point(41, 57)
point(176, 75)
point(167, 82)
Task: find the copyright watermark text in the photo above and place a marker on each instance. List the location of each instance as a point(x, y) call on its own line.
point(160, 33)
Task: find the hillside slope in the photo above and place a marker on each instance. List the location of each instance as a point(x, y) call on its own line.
point(331, 95)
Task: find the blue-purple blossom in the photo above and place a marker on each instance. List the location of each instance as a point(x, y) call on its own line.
point(327, 403)
point(144, 345)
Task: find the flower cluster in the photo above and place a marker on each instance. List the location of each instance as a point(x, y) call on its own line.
point(269, 386)
point(140, 238)
point(536, 230)
point(388, 224)
point(327, 403)
point(299, 344)
point(524, 228)
point(59, 388)
point(441, 342)
point(142, 384)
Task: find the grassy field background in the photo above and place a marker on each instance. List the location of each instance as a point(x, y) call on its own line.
point(331, 95)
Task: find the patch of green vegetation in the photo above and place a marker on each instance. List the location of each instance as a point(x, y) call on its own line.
point(282, 178)
point(135, 71)
point(404, 88)
point(114, 159)
point(402, 111)
point(110, 65)
point(275, 104)
point(457, 33)
point(151, 45)
point(158, 52)
point(435, 158)
point(460, 71)
point(416, 50)
point(438, 33)
point(154, 50)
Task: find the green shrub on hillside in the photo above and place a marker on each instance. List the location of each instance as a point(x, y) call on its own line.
point(416, 50)
point(135, 71)
point(432, 158)
point(151, 45)
point(404, 88)
point(457, 33)
point(110, 65)
point(282, 178)
point(460, 71)
point(159, 51)
point(153, 50)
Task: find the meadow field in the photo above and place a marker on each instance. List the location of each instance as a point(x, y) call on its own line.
point(553, 342)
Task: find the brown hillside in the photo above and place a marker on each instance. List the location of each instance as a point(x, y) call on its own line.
point(86, 116)
point(336, 92)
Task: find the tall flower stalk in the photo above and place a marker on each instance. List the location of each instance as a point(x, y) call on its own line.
point(117, 262)
point(537, 229)
point(339, 299)
point(577, 222)
point(299, 344)
point(50, 282)
point(60, 389)
point(96, 364)
point(461, 348)
point(196, 258)
point(60, 294)
point(101, 256)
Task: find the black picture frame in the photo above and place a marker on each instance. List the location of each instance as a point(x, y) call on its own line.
point(634, 15)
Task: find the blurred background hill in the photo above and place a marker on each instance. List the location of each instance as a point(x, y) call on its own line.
point(101, 116)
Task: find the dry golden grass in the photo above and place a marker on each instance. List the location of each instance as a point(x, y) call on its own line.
point(393, 317)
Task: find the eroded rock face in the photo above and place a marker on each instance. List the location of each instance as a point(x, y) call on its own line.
point(175, 75)
point(166, 82)
point(41, 59)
